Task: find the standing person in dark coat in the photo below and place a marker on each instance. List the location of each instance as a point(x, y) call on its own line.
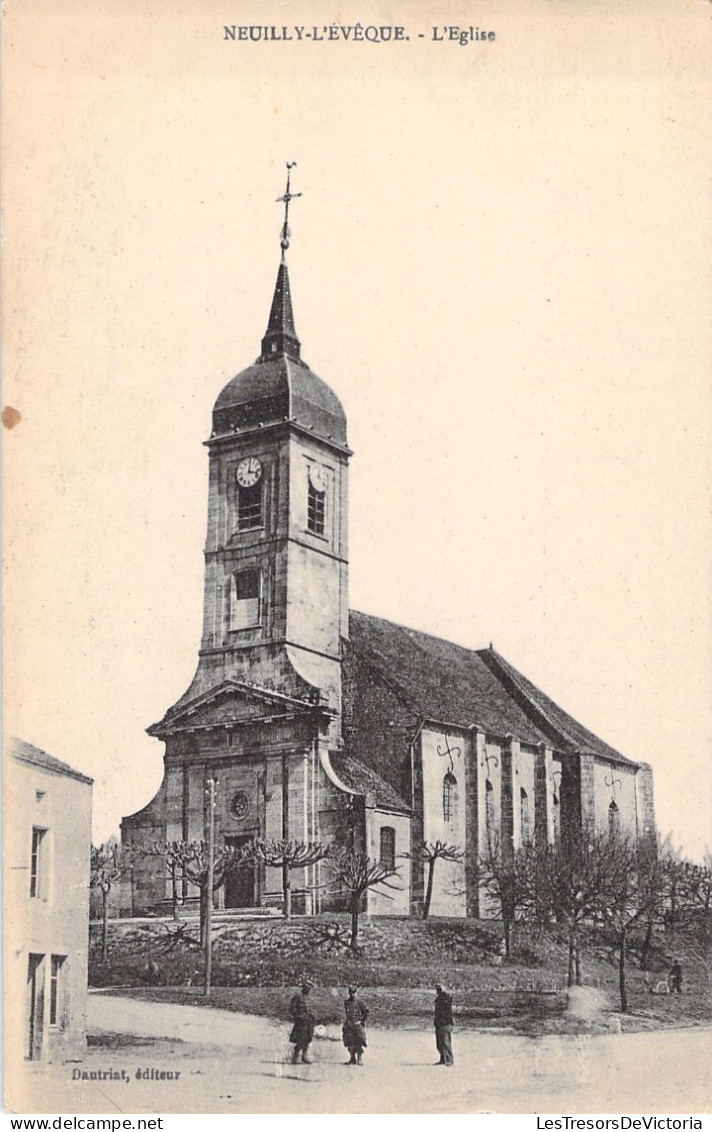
point(675, 978)
point(354, 1028)
point(302, 1024)
point(442, 1020)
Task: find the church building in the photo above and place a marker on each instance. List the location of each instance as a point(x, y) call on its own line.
point(322, 724)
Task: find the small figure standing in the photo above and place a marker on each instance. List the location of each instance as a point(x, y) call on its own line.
point(302, 1024)
point(354, 1028)
point(442, 1021)
point(675, 978)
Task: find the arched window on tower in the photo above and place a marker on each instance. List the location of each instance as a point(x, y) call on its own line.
point(614, 820)
point(388, 847)
point(449, 798)
point(524, 817)
point(249, 506)
point(490, 824)
point(316, 509)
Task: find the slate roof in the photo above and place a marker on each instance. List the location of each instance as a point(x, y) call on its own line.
point(26, 753)
point(557, 719)
point(445, 682)
point(354, 774)
point(280, 386)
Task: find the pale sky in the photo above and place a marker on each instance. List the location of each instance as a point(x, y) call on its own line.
point(500, 262)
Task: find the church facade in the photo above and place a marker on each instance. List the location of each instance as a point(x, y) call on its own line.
point(320, 723)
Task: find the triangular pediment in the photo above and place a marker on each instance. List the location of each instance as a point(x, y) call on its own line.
point(232, 702)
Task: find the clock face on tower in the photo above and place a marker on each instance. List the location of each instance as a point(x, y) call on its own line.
point(317, 478)
point(249, 471)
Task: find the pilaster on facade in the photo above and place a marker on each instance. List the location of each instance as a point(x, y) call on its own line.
point(511, 819)
point(474, 817)
point(587, 791)
point(544, 821)
point(417, 826)
point(644, 801)
point(481, 786)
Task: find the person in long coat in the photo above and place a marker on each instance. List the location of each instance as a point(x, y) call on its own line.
point(354, 1028)
point(442, 1020)
point(675, 978)
point(302, 1024)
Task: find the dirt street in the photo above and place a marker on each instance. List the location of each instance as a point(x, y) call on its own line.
point(231, 1062)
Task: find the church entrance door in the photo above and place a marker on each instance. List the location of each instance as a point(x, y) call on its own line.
point(240, 882)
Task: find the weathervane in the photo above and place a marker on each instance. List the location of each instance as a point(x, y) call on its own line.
point(284, 242)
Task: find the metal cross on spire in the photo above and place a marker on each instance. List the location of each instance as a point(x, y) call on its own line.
point(284, 242)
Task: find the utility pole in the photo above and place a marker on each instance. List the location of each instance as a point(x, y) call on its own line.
point(209, 894)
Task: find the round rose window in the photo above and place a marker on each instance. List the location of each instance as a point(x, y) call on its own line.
point(240, 805)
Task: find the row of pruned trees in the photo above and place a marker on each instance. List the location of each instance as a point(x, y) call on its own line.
point(589, 878)
point(349, 873)
point(626, 886)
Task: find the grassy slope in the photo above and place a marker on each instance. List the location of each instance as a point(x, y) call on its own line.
point(254, 962)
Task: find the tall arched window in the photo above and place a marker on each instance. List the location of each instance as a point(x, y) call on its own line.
point(490, 826)
point(388, 847)
point(525, 820)
point(614, 820)
point(557, 818)
point(449, 798)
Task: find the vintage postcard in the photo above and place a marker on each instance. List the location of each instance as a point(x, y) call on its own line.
point(357, 442)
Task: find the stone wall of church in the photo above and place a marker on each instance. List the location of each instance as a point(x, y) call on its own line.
point(443, 760)
point(489, 768)
point(614, 785)
point(142, 831)
point(317, 610)
point(646, 804)
point(391, 901)
point(378, 728)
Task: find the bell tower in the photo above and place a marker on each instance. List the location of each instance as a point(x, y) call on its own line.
point(276, 561)
point(262, 713)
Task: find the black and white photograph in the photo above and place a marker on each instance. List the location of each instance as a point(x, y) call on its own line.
point(357, 425)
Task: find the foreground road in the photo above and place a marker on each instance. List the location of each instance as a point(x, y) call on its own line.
point(237, 1063)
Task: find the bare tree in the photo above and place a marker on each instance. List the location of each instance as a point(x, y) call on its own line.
point(504, 877)
point(632, 895)
point(108, 864)
point(430, 853)
point(190, 859)
point(174, 873)
point(700, 890)
point(287, 856)
point(357, 873)
point(676, 879)
point(567, 883)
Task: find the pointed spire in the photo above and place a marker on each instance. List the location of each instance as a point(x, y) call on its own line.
point(281, 337)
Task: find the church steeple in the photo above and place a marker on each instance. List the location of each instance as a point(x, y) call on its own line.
point(281, 339)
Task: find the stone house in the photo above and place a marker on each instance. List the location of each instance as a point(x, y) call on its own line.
point(47, 847)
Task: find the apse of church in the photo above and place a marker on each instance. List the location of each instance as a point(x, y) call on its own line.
point(323, 724)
